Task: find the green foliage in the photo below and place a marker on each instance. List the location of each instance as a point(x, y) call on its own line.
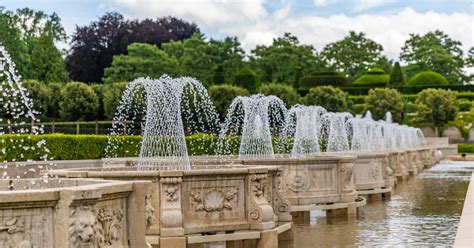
point(396, 76)
point(78, 102)
point(429, 78)
point(466, 148)
point(285, 61)
point(379, 101)
point(99, 90)
point(142, 60)
point(328, 97)
point(373, 77)
point(466, 95)
point(218, 77)
point(40, 94)
point(437, 106)
point(248, 79)
point(54, 99)
point(322, 78)
point(223, 95)
point(412, 89)
point(229, 55)
point(352, 55)
point(11, 39)
point(285, 92)
point(112, 97)
point(435, 51)
point(464, 105)
point(358, 99)
point(358, 109)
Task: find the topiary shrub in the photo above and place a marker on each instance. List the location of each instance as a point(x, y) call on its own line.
point(396, 77)
point(375, 77)
point(380, 101)
point(112, 97)
point(285, 92)
point(223, 95)
point(430, 78)
point(78, 102)
point(464, 105)
point(248, 79)
point(328, 97)
point(322, 78)
point(436, 106)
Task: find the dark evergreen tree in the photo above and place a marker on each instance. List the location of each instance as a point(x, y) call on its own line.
point(396, 77)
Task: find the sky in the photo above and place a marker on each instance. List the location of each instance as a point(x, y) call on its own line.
point(255, 22)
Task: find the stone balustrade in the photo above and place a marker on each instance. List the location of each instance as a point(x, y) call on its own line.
point(72, 213)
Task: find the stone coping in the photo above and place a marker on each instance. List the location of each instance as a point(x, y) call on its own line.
point(85, 188)
point(465, 233)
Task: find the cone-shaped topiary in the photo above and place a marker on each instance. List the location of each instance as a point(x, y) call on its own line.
point(396, 77)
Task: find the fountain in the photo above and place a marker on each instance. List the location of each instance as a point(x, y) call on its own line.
point(335, 130)
point(18, 119)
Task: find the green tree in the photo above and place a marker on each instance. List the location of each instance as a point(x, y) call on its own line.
point(285, 92)
point(328, 97)
point(380, 101)
point(11, 39)
point(142, 60)
point(436, 106)
point(435, 51)
point(112, 97)
point(470, 63)
point(248, 79)
point(78, 102)
point(47, 63)
point(40, 94)
point(396, 77)
point(285, 61)
point(54, 100)
point(352, 55)
point(218, 77)
point(223, 95)
point(229, 55)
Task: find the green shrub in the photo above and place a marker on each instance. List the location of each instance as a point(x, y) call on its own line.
point(437, 106)
point(374, 77)
point(248, 79)
point(465, 148)
point(285, 92)
point(466, 95)
point(396, 77)
point(223, 95)
point(356, 99)
point(357, 108)
point(112, 97)
point(40, 94)
point(78, 102)
point(218, 77)
point(380, 101)
point(430, 78)
point(322, 78)
point(464, 105)
point(331, 98)
point(55, 98)
point(99, 90)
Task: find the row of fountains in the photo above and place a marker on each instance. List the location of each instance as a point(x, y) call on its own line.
point(166, 110)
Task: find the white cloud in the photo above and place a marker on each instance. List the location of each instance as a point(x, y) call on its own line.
point(324, 2)
point(361, 5)
point(253, 25)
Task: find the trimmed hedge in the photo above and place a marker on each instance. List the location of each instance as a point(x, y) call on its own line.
point(374, 77)
point(322, 78)
point(429, 78)
point(72, 147)
point(364, 90)
point(465, 148)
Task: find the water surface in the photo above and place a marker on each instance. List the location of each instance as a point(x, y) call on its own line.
point(423, 211)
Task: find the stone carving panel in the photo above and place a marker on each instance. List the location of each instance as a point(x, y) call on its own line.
point(215, 202)
point(26, 228)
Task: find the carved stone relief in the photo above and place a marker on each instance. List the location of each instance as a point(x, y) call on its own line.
point(297, 180)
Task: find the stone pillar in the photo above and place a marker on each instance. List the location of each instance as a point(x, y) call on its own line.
point(172, 231)
point(260, 212)
point(136, 210)
point(346, 181)
point(281, 206)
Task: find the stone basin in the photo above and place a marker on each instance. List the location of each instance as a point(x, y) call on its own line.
point(183, 204)
point(373, 173)
point(72, 213)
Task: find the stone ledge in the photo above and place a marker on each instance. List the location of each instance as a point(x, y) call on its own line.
point(465, 233)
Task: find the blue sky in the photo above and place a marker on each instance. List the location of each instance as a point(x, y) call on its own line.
point(315, 22)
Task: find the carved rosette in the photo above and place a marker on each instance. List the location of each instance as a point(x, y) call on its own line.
point(347, 175)
point(297, 180)
point(214, 200)
point(171, 188)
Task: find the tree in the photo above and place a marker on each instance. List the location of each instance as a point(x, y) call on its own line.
point(40, 94)
point(380, 101)
point(228, 54)
point(93, 46)
point(285, 61)
point(112, 97)
point(435, 51)
point(142, 60)
point(11, 39)
point(328, 97)
point(396, 77)
point(436, 106)
point(47, 64)
point(223, 95)
point(248, 79)
point(470, 62)
point(285, 92)
point(352, 55)
point(78, 102)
